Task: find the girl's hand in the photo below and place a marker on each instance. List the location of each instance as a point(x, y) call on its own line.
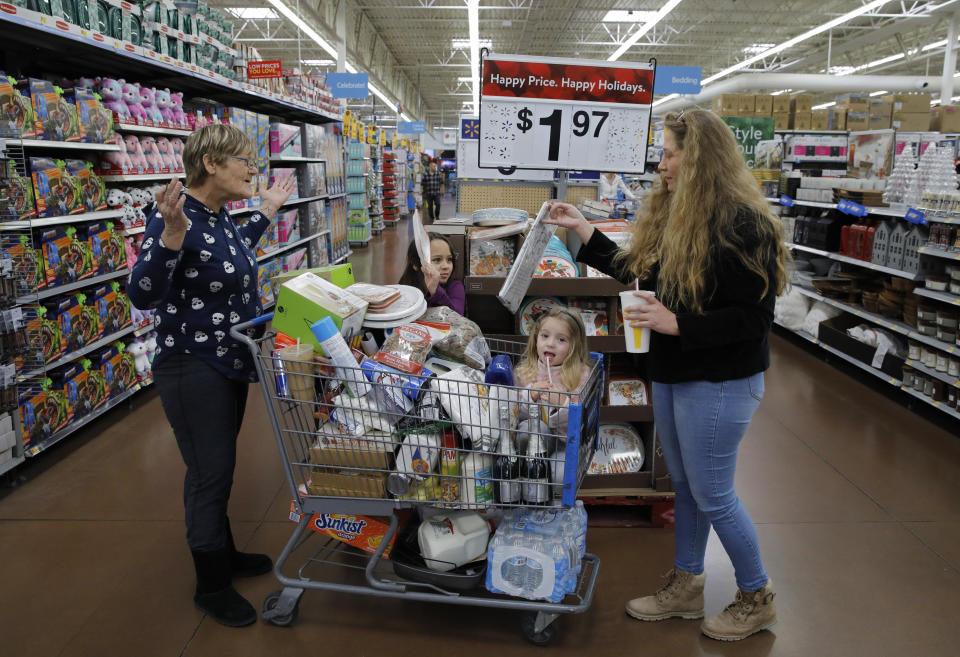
point(653, 315)
point(277, 195)
point(170, 207)
point(431, 278)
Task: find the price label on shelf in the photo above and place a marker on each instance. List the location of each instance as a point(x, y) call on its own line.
point(786, 201)
point(553, 113)
point(915, 216)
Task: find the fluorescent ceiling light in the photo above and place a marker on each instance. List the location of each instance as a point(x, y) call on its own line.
point(621, 16)
point(937, 44)
point(453, 127)
point(403, 115)
point(252, 12)
point(876, 62)
point(317, 62)
point(824, 106)
point(299, 22)
point(473, 20)
point(878, 93)
point(758, 47)
point(876, 4)
point(464, 44)
point(626, 45)
point(466, 79)
point(842, 70)
point(665, 99)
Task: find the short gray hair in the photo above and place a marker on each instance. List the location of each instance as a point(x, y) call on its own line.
point(219, 142)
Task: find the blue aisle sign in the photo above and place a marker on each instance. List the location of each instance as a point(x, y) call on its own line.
point(416, 127)
point(915, 216)
point(348, 85)
point(677, 80)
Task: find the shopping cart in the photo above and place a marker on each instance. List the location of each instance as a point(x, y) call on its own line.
point(383, 466)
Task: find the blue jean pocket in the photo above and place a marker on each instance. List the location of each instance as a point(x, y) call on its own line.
point(755, 383)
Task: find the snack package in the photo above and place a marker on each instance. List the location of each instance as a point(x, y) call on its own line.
point(464, 343)
point(393, 389)
point(463, 395)
point(406, 349)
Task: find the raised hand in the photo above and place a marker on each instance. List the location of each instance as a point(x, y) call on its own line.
point(170, 208)
point(431, 277)
point(567, 216)
point(277, 195)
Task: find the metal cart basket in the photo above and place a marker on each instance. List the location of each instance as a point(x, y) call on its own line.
point(366, 444)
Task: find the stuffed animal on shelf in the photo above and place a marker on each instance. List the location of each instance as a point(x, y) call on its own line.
point(132, 250)
point(162, 101)
point(135, 151)
point(131, 96)
point(117, 198)
point(177, 145)
point(139, 351)
point(151, 343)
point(166, 154)
point(148, 145)
point(117, 162)
point(139, 197)
point(148, 101)
point(153, 190)
point(176, 108)
point(111, 91)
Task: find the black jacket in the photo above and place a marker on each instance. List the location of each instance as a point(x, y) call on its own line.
point(729, 338)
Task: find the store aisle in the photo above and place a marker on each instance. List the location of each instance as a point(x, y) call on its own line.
point(854, 498)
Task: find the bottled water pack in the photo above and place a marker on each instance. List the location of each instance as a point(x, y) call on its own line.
point(536, 552)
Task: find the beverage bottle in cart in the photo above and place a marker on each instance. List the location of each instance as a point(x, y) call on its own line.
point(533, 576)
point(506, 472)
point(536, 472)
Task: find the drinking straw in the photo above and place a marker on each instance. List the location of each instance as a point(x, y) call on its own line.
point(549, 376)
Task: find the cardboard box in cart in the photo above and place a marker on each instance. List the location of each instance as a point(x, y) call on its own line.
point(307, 299)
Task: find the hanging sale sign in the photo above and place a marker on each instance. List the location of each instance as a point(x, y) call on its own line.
point(553, 113)
point(264, 69)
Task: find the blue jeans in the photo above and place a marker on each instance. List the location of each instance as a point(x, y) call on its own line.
point(700, 425)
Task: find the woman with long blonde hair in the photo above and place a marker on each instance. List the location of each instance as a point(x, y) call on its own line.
point(709, 247)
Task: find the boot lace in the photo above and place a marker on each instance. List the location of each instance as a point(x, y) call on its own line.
point(675, 581)
point(742, 606)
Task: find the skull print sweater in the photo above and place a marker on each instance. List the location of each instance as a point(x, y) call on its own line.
point(203, 289)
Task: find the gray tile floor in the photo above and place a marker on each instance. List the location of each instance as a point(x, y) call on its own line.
point(855, 500)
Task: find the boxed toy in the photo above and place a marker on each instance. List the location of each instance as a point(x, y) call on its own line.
point(285, 140)
point(16, 194)
point(90, 188)
point(66, 381)
point(27, 261)
point(309, 298)
point(263, 281)
point(314, 179)
point(66, 312)
point(67, 259)
point(43, 412)
point(88, 325)
point(17, 118)
point(113, 306)
point(295, 260)
point(55, 188)
point(96, 121)
point(118, 367)
point(106, 247)
point(44, 337)
point(282, 173)
point(263, 140)
point(55, 118)
point(288, 226)
point(94, 387)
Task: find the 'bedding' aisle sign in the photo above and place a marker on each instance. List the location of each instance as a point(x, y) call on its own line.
point(553, 113)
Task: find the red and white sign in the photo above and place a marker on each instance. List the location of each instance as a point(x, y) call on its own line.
point(553, 113)
point(263, 69)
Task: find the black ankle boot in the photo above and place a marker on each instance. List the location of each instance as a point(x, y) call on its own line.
point(215, 595)
point(246, 564)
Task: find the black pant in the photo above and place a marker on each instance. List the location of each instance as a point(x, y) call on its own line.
point(431, 205)
point(205, 410)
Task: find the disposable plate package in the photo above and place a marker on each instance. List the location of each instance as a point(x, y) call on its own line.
point(463, 395)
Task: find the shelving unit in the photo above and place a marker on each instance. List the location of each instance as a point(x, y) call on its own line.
point(48, 292)
point(55, 221)
point(57, 145)
point(133, 128)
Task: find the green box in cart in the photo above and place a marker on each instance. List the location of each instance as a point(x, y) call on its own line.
point(307, 298)
point(339, 275)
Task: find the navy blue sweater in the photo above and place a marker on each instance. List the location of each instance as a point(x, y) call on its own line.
point(203, 289)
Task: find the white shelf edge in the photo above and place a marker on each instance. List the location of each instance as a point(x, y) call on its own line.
point(943, 297)
point(854, 261)
point(939, 253)
point(141, 177)
point(863, 366)
point(48, 292)
point(853, 310)
point(929, 371)
point(933, 342)
point(63, 219)
point(296, 159)
point(151, 130)
point(62, 145)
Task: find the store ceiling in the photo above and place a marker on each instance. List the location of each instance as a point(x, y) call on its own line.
point(407, 45)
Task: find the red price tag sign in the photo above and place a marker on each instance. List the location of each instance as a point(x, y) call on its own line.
point(553, 113)
point(263, 69)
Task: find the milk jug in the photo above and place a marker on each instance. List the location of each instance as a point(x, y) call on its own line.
point(449, 540)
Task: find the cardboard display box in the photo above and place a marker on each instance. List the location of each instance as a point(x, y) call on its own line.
point(727, 104)
point(879, 122)
point(781, 120)
point(911, 121)
point(800, 120)
point(857, 121)
point(763, 105)
point(833, 332)
point(909, 102)
point(820, 119)
point(859, 104)
point(838, 118)
point(801, 103)
point(945, 118)
point(745, 104)
point(781, 104)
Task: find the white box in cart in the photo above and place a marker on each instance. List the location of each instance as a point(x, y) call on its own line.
point(7, 440)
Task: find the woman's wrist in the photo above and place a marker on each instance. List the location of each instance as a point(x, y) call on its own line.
point(173, 240)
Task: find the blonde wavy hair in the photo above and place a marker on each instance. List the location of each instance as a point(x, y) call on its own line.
point(578, 357)
point(684, 229)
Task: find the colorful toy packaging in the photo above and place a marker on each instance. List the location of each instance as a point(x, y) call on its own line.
point(54, 187)
point(27, 261)
point(65, 311)
point(94, 387)
point(17, 118)
point(113, 306)
point(118, 367)
point(51, 344)
point(88, 324)
point(66, 258)
point(106, 247)
point(43, 412)
point(55, 118)
point(91, 190)
point(288, 226)
point(285, 140)
point(283, 174)
point(16, 194)
point(96, 121)
point(66, 381)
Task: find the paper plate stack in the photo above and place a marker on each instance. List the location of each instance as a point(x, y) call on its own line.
point(408, 306)
point(619, 450)
point(557, 261)
point(532, 308)
point(499, 216)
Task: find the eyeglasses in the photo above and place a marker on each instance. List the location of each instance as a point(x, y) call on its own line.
point(248, 161)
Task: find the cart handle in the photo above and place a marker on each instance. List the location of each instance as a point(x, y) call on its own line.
point(237, 331)
point(262, 319)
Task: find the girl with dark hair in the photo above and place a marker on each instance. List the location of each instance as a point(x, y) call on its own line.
point(435, 278)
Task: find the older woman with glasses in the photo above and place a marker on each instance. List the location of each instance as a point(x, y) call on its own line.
point(197, 268)
point(709, 246)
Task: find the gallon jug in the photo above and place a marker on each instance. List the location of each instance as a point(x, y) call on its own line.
point(449, 540)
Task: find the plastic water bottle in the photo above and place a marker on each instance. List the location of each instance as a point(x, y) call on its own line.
point(514, 568)
point(533, 576)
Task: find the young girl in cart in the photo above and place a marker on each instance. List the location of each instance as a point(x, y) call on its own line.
point(555, 363)
point(435, 279)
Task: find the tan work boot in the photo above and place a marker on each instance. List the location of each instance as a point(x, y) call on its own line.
point(748, 614)
point(680, 597)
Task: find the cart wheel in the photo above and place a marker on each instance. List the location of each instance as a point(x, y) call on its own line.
point(528, 623)
point(280, 621)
